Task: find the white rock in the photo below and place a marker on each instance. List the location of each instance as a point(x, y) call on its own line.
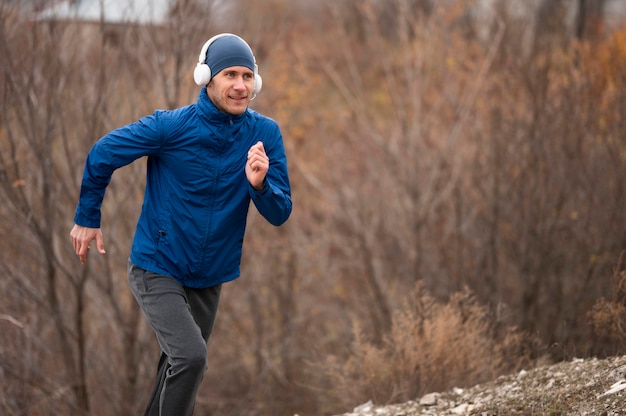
point(364, 407)
point(619, 386)
point(429, 399)
point(460, 409)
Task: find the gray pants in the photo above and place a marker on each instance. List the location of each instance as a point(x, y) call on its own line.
point(182, 319)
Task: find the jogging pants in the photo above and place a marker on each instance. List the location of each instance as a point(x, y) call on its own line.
point(182, 319)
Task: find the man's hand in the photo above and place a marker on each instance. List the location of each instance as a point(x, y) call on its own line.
point(82, 237)
point(257, 165)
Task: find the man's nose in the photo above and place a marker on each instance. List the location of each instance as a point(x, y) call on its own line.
point(239, 83)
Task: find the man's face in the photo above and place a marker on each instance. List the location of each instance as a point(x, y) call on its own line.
point(231, 89)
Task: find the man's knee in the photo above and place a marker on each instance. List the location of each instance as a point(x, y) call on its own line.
point(195, 359)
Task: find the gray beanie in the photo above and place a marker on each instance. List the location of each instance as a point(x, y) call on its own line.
point(228, 51)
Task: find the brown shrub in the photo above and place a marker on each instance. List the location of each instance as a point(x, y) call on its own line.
point(431, 346)
point(608, 316)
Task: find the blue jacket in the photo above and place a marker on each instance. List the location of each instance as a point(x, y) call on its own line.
point(197, 195)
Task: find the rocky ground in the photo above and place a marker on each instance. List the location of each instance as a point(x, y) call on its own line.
point(579, 387)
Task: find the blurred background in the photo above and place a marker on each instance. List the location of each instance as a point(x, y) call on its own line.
point(458, 183)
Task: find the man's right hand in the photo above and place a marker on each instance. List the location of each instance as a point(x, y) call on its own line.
point(82, 237)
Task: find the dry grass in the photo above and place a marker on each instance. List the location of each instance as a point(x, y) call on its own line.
point(431, 346)
point(608, 316)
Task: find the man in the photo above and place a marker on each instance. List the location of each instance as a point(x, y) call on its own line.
point(206, 162)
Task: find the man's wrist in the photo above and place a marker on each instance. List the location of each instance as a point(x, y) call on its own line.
point(261, 186)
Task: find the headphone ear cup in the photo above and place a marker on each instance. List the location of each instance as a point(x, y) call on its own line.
point(258, 83)
point(202, 74)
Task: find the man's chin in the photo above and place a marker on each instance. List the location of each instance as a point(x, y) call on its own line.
point(235, 111)
point(238, 107)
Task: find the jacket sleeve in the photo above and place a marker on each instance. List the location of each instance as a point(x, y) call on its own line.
point(274, 201)
point(113, 151)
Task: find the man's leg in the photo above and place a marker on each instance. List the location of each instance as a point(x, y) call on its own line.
point(154, 403)
point(203, 303)
point(182, 319)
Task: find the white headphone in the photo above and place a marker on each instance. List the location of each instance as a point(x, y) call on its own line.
point(202, 72)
